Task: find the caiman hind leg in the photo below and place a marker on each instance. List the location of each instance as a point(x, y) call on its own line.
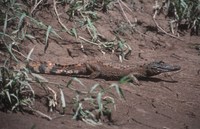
point(94, 71)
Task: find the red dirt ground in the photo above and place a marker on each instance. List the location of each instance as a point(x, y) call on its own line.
point(160, 103)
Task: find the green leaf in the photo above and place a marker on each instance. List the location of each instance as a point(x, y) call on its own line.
point(9, 47)
point(118, 90)
point(5, 24)
point(29, 36)
point(125, 79)
point(62, 97)
point(74, 32)
point(77, 80)
point(77, 111)
point(94, 87)
point(100, 105)
point(29, 54)
point(8, 95)
point(47, 37)
point(17, 103)
point(21, 21)
point(92, 27)
point(39, 77)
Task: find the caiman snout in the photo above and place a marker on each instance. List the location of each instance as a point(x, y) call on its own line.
point(157, 67)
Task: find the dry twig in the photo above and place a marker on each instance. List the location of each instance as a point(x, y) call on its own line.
point(59, 20)
point(119, 2)
point(36, 6)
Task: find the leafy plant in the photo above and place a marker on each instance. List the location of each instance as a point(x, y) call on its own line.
point(15, 90)
point(92, 105)
point(18, 25)
point(183, 12)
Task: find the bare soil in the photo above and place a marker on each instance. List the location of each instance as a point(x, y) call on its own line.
point(169, 101)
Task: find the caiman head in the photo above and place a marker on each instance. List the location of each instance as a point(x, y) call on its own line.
point(157, 67)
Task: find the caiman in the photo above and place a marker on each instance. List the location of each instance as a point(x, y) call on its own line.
point(107, 71)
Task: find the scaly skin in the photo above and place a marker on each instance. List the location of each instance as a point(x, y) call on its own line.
point(97, 69)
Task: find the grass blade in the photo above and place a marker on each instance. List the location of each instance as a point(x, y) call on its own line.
point(119, 90)
point(47, 37)
point(74, 32)
point(77, 111)
point(5, 24)
point(62, 97)
point(100, 105)
point(29, 54)
point(21, 21)
point(39, 77)
point(94, 87)
point(8, 95)
point(9, 47)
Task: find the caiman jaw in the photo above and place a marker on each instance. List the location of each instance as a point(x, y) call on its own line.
point(158, 67)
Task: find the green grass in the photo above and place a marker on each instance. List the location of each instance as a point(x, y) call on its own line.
point(182, 13)
point(15, 90)
point(94, 104)
point(19, 23)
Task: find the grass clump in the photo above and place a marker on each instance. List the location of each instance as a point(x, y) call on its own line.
point(183, 14)
point(19, 24)
point(15, 90)
point(95, 104)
